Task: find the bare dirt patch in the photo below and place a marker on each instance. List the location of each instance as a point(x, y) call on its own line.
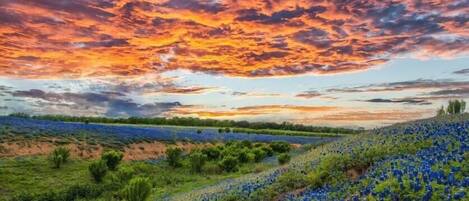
point(354, 173)
point(80, 149)
point(153, 150)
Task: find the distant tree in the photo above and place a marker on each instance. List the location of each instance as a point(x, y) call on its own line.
point(112, 159)
point(197, 161)
point(138, 189)
point(173, 156)
point(456, 107)
point(59, 156)
point(98, 170)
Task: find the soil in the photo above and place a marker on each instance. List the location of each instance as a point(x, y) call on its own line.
point(83, 150)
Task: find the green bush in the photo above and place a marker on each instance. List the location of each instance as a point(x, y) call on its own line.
point(212, 168)
point(280, 147)
point(283, 158)
point(123, 175)
point(243, 156)
point(259, 154)
point(229, 164)
point(197, 161)
point(173, 156)
point(112, 159)
point(212, 153)
point(246, 143)
point(138, 189)
point(98, 170)
point(267, 150)
point(59, 156)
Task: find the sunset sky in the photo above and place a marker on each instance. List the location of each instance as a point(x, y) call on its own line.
point(339, 63)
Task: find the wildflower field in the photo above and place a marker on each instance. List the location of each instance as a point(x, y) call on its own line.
point(421, 160)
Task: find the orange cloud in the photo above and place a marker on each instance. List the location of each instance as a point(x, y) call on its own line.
point(55, 39)
point(248, 110)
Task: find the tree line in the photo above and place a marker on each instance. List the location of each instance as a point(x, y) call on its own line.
point(454, 107)
point(191, 121)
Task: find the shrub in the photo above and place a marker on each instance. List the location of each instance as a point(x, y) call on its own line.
point(283, 158)
point(123, 175)
point(243, 156)
point(199, 131)
point(246, 143)
point(173, 156)
point(138, 189)
point(227, 130)
point(212, 153)
point(212, 168)
point(197, 161)
point(220, 130)
point(98, 170)
point(229, 164)
point(59, 156)
point(258, 154)
point(112, 159)
point(267, 150)
point(280, 147)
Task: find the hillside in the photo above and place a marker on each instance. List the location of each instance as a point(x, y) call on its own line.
point(420, 160)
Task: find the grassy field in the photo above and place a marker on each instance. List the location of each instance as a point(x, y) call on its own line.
point(36, 175)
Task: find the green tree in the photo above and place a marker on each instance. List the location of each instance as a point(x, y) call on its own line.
point(197, 161)
point(229, 164)
point(112, 159)
point(283, 158)
point(98, 170)
point(259, 154)
point(59, 156)
point(173, 156)
point(456, 107)
point(280, 147)
point(138, 189)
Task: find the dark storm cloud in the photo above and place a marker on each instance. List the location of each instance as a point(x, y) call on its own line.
point(402, 100)
point(462, 71)
point(405, 85)
point(460, 92)
point(314, 36)
point(104, 43)
point(266, 55)
point(277, 17)
point(195, 5)
point(308, 94)
point(113, 103)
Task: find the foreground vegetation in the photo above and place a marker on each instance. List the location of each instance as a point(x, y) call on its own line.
point(58, 177)
point(422, 160)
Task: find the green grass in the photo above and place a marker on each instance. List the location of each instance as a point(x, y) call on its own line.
point(36, 175)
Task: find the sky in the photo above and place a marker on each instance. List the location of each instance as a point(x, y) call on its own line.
point(316, 62)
